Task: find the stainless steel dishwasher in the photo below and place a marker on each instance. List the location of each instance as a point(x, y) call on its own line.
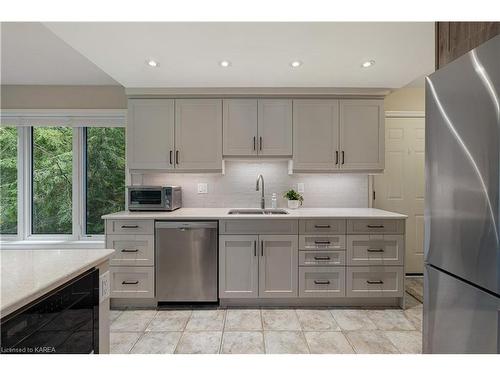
point(186, 261)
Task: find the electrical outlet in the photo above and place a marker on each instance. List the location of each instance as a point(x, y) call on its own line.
point(104, 287)
point(202, 188)
point(300, 187)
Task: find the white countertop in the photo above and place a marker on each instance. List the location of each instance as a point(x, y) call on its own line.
point(29, 274)
point(222, 213)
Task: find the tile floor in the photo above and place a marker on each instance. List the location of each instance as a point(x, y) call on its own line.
point(273, 331)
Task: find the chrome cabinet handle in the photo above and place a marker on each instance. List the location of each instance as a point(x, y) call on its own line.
point(375, 226)
point(343, 157)
point(322, 226)
point(130, 282)
point(177, 157)
point(170, 157)
point(375, 250)
point(130, 226)
point(321, 282)
point(260, 142)
point(336, 157)
point(254, 248)
point(130, 250)
point(374, 282)
point(322, 242)
point(254, 143)
point(262, 248)
point(321, 258)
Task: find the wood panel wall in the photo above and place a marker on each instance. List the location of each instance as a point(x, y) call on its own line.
point(454, 39)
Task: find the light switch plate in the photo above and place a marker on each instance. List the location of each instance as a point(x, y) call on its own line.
point(202, 188)
point(104, 287)
point(300, 187)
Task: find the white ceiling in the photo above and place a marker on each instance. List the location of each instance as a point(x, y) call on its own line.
point(260, 53)
point(33, 55)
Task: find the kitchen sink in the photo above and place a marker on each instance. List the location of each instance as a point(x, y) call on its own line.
point(258, 211)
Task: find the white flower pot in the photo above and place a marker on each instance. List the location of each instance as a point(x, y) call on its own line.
point(293, 204)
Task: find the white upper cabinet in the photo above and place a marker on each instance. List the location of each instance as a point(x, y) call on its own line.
point(198, 134)
point(150, 133)
point(275, 127)
point(257, 127)
point(362, 134)
point(240, 127)
point(315, 135)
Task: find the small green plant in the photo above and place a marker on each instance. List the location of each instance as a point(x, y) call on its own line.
point(292, 195)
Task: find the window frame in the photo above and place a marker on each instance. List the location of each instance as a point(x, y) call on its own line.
point(78, 120)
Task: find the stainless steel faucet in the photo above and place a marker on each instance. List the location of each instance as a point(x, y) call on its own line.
point(262, 200)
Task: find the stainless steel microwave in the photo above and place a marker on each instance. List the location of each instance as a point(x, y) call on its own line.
point(154, 198)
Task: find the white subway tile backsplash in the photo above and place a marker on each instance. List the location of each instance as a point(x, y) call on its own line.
point(237, 187)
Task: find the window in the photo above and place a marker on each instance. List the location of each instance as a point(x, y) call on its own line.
point(60, 171)
point(52, 180)
point(8, 180)
point(105, 175)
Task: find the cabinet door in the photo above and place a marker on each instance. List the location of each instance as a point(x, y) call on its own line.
point(278, 266)
point(275, 127)
point(315, 135)
point(362, 134)
point(239, 127)
point(198, 134)
point(238, 266)
point(150, 133)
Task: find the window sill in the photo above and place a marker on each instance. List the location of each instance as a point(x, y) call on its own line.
point(51, 244)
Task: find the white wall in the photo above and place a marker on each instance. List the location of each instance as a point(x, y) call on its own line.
point(237, 187)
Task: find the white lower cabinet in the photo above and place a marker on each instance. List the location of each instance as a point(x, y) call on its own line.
point(252, 266)
point(375, 281)
point(322, 281)
point(132, 282)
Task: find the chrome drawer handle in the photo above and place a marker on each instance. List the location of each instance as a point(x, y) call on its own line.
point(321, 258)
point(322, 226)
point(130, 250)
point(374, 282)
point(375, 250)
point(130, 226)
point(321, 282)
point(375, 226)
point(130, 282)
point(322, 242)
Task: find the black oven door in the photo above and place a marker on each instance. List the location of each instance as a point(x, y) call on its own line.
point(64, 321)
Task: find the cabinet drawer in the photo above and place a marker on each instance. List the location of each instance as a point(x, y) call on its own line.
point(132, 282)
point(131, 250)
point(129, 226)
point(258, 226)
point(375, 281)
point(367, 226)
point(321, 281)
point(321, 258)
point(316, 242)
point(322, 226)
point(375, 249)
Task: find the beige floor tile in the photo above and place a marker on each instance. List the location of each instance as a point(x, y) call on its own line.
point(285, 342)
point(206, 320)
point(316, 320)
point(157, 343)
point(133, 320)
point(113, 314)
point(370, 342)
point(411, 302)
point(206, 342)
point(408, 342)
point(328, 343)
point(122, 342)
point(242, 343)
point(415, 316)
point(169, 320)
point(391, 320)
point(280, 320)
point(243, 320)
point(353, 320)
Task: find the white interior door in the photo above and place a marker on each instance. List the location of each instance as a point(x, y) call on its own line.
point(401, 187)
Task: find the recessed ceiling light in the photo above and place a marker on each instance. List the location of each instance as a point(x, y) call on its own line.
point(368, 63)
point(225, 63)
point(153, 63)
point(296, 64)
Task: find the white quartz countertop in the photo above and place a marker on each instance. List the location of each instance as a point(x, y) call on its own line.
point(222, 213)
point(29, 274)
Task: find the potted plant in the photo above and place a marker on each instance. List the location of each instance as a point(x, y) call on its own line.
point(294, 199)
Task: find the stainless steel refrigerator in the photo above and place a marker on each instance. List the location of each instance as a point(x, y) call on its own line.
point(462, 229)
